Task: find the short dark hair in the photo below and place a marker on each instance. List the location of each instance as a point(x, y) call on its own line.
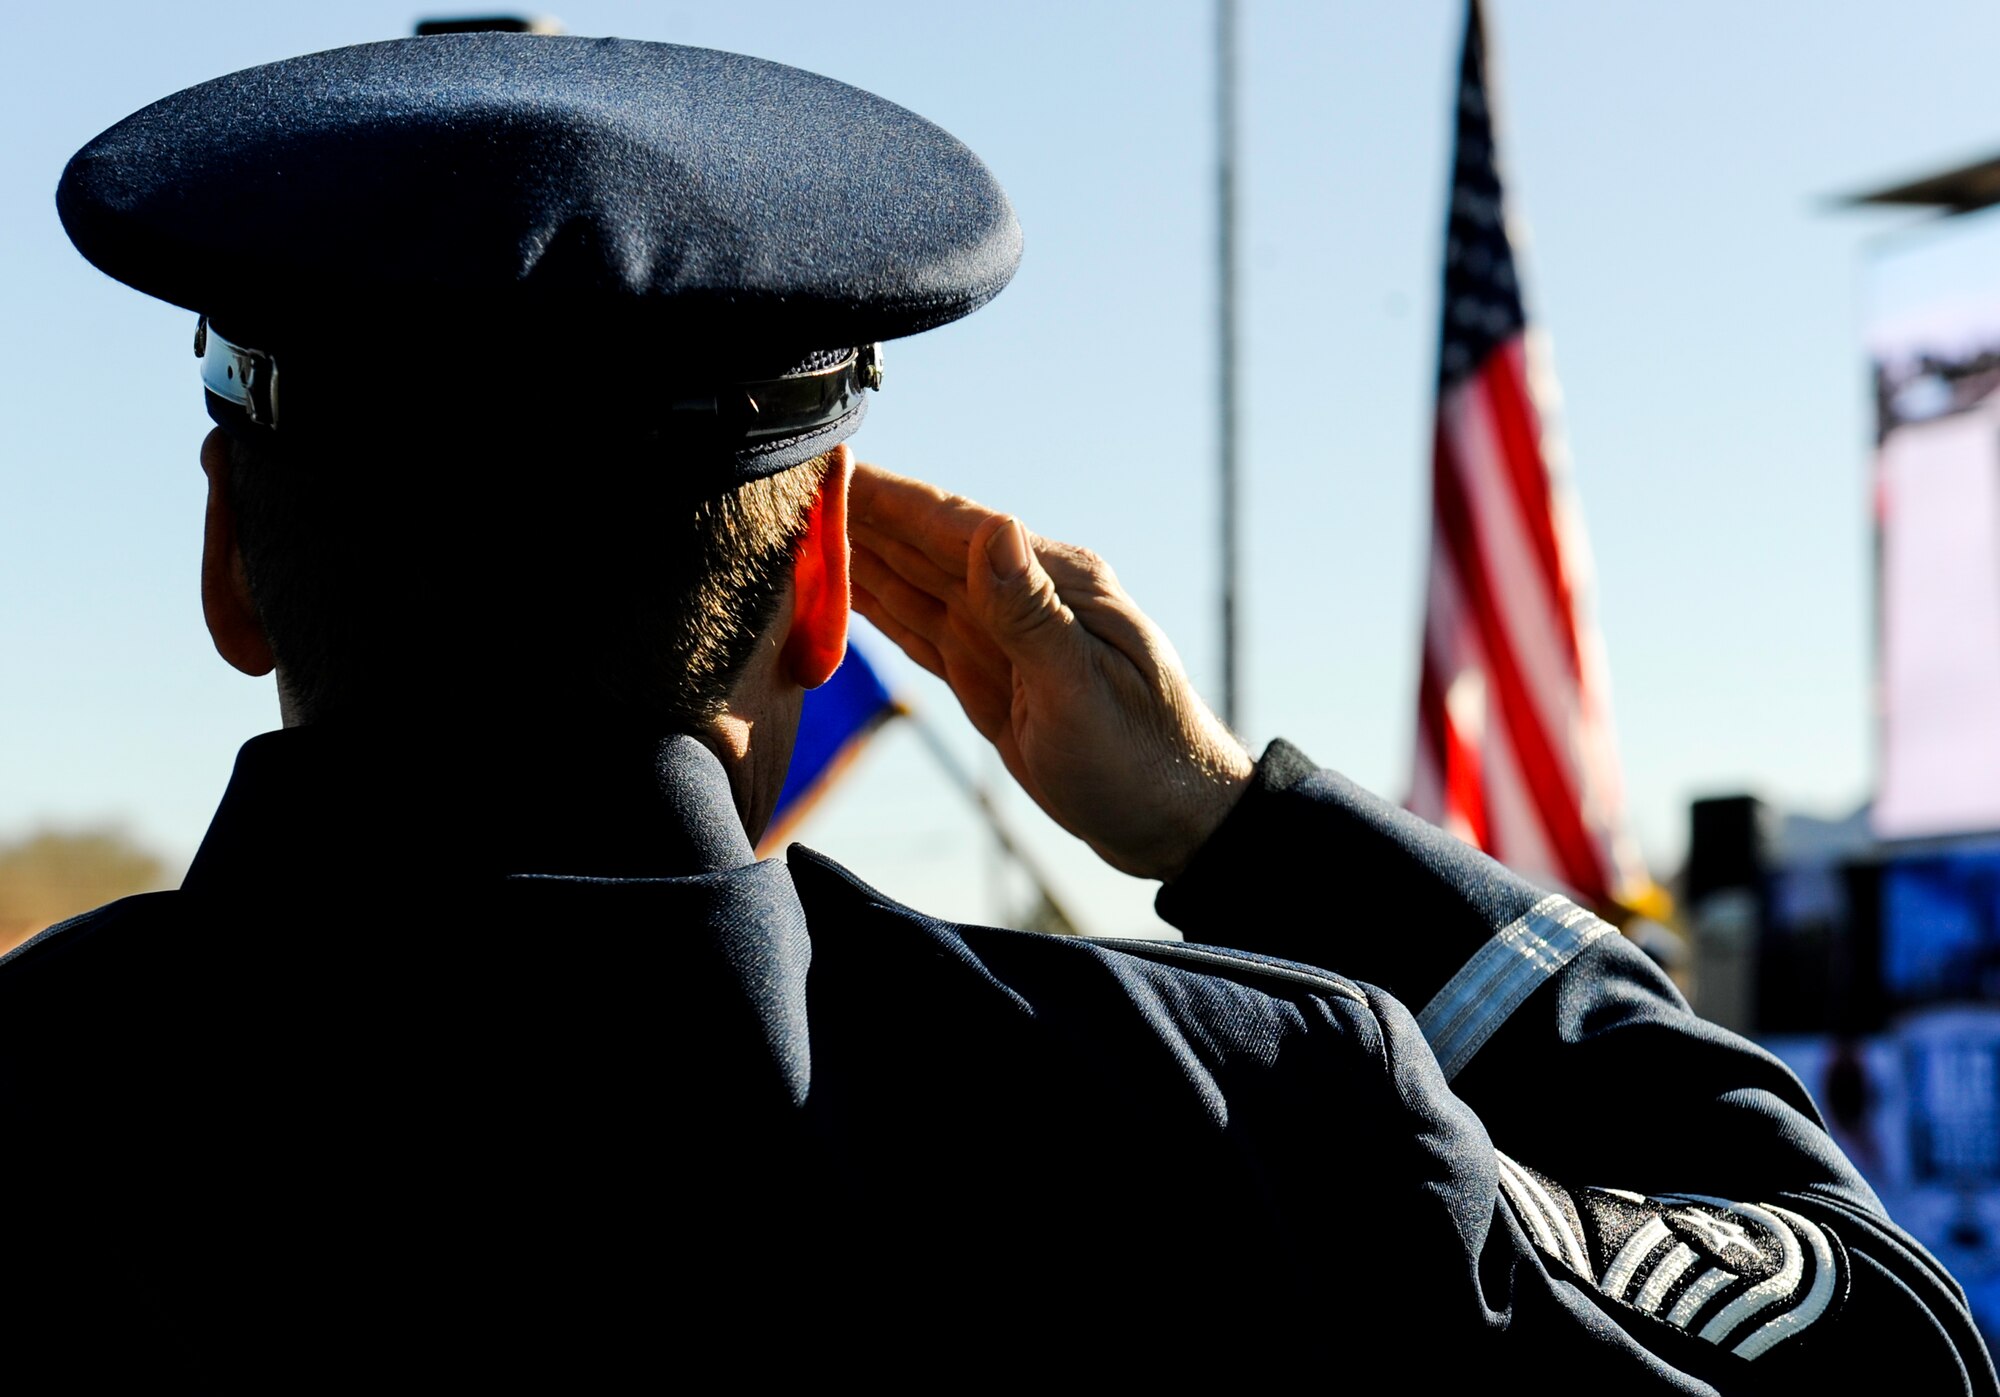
point(547, 580)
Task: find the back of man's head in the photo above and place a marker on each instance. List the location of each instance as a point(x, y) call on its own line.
point(532, 348)
point(508, 582)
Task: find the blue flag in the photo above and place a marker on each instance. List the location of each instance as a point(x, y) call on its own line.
point(839, 717)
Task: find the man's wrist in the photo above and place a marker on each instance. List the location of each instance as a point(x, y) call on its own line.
point(1220, 788)
point(1281, 767)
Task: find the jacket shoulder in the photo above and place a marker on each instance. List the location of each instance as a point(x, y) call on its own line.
point(87, 934)
point(836, 900)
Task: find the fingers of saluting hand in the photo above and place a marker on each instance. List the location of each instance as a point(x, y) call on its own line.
point(1054, 663)
point(911, 565)
point(984, 702)
point(911, 641)
point(937, 636)
point(924, 600)
point(921, 555)
point(931, 521)
point(900, 567)
point(919, 608)
point(932, 547)
point(937, 543)
point(1066, 584)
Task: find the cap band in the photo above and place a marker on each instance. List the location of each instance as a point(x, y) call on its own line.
point(239, 375)
point(753, 411)
point(766, 408)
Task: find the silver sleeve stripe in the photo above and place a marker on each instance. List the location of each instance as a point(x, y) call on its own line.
point(1564, 1243)
point(1791, 1282)
point(1624, 1266)
point(1544, 1218)
point(1781, 1285)
point(1698, 1294)
point(1527, 1209)
point(1809, 1309)
point(1501, 975)
point(1670, 1269)
point(1790, 1229)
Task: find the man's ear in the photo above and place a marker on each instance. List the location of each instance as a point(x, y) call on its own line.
point(817, 641)
point(225, 585)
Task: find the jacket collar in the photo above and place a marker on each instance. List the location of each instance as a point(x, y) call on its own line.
point(631, 836)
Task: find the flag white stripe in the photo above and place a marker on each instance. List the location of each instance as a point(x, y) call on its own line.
point(1520, 839)
point(1517, 591)
point(1603, 790)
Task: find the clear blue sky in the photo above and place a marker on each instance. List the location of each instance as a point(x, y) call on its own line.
point(1673, 163)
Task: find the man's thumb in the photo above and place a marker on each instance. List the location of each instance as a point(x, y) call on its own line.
point(1019, 599)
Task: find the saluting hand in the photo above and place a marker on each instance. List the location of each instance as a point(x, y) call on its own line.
point(1056, 666)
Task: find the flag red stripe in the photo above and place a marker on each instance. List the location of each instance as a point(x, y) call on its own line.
point(1461, 771)
point(1506, 390)
point(1465, 789)
point(1548, 784)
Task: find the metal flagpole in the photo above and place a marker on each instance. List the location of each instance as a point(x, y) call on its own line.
point(1225, 249)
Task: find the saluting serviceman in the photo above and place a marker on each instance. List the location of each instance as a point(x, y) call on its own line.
point(478, 1047)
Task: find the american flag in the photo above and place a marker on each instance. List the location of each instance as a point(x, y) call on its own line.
point(1514, 744)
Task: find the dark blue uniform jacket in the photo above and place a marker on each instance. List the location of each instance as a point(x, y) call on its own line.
point(455, 1067)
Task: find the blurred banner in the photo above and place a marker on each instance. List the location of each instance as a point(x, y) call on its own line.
point(1934, 338)
point(839, 718)
point(1515, 752)
point(1917, 1108)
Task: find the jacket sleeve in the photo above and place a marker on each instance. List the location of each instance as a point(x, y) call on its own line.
point(1678, 1170)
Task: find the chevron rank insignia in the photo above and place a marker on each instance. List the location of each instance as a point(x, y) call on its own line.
point(1744, 1277)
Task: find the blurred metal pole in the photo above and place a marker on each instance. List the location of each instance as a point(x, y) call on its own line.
point(1225, 251)
point(1048, 914)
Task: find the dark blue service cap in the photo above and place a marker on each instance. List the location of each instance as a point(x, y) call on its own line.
point(485, 233)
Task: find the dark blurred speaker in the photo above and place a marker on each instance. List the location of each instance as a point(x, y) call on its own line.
point(1729, 845)
point(1861, 1003)
point(489, 24)
point(1729, 850)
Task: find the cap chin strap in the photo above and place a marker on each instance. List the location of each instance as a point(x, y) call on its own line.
point(754, 410)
